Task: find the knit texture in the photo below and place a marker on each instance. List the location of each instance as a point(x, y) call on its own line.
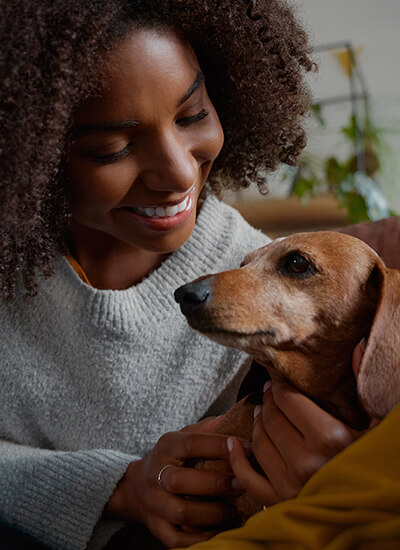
point(90, 379)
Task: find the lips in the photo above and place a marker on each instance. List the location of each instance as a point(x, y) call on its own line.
point(163, 218)
point(164, 211)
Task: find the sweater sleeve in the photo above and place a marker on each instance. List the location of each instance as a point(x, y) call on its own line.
point(58, 497)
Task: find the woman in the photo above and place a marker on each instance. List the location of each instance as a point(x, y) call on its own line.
point(112, 153)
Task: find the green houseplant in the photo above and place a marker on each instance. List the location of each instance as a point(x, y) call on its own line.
point(355, 180)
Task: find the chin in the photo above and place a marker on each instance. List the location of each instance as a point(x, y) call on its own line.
point(169, 242)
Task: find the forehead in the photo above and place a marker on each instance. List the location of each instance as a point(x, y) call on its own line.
point(325, 249)
point(150, 54)
point(147, 71)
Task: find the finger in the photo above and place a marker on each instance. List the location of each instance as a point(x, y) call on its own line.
point(302, 455)
point(191, 481)
point(173, 537)
point(177, 447)
point(265, 452)
point(309, 419)
point(257, 486)
point(277, 425)
point(273, 462)
point(181, 511)
point(275, 442)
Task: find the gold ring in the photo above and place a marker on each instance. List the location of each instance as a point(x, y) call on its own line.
point(160, 473)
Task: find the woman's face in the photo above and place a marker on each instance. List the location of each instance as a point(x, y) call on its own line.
point(143, 149)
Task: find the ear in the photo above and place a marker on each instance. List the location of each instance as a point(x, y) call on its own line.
point(378, 381)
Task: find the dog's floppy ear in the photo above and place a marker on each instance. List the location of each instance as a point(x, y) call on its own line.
point(378, 382)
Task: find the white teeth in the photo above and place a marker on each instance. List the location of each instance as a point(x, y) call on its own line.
point(172, 210)
point(182, 206)
point(161, 212)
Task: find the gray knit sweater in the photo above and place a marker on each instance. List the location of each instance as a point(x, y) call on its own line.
point(90, 379)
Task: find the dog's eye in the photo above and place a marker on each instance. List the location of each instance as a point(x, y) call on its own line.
point(296, 264)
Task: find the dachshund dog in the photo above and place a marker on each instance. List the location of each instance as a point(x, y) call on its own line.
point(299, 306)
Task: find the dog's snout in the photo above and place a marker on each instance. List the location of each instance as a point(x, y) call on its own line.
point(193, 296)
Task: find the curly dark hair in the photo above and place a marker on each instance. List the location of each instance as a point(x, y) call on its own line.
point(253, 53)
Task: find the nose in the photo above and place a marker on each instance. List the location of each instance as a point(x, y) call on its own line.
point(171, 164)
point(193, 296)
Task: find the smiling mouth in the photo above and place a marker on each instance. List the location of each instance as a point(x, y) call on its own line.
point(163, 211)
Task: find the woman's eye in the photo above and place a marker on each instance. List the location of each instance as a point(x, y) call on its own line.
point(297, 264)
point(192, 119)
point(113, 157)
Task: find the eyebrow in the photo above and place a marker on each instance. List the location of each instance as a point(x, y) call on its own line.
point(198, 81)
point(93, 127)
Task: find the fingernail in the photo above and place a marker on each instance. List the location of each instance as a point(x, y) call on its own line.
point(257, 410)
point(267, 385)
point(363, 344)
point(246, 444)
point(236, 485)
point(229, 444)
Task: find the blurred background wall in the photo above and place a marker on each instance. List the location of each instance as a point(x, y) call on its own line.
point(350, 171)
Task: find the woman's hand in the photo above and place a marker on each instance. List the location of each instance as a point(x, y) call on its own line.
point(153, 495)
point(292, 439)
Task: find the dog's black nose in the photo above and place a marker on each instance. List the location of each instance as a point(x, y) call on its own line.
point(193, 296)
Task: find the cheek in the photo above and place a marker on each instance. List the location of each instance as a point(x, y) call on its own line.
point(211, 138)
point(263, 303)
point(93, 186)
point(294, 313)
point(218, 138)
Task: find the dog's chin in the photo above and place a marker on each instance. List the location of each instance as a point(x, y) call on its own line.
point(249, 342)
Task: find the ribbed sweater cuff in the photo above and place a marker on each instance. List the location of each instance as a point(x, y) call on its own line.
point(64, 501)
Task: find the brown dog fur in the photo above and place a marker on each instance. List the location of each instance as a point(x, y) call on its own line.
point(303, 326)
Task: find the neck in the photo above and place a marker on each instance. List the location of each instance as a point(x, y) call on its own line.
point(326, 378)
point(109, 263)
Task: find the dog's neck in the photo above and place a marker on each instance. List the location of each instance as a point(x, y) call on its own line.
point(325, 377)
point(321, 365)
